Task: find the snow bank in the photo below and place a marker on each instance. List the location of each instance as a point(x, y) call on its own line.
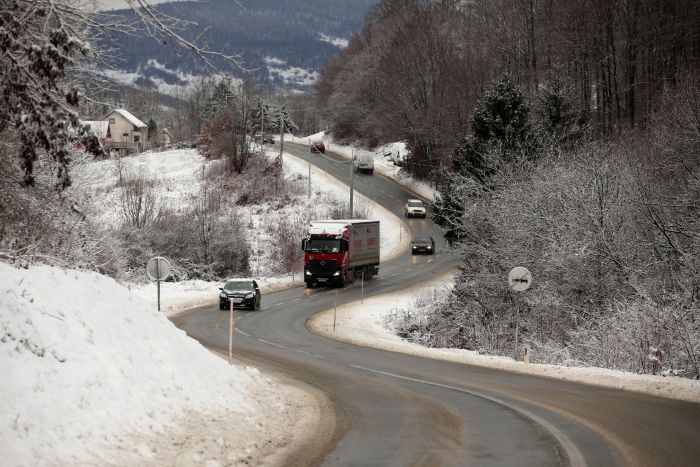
point(366, 324)
point(382, 164)
point(87, 361)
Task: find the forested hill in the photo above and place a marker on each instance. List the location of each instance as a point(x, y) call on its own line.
point(283, 42)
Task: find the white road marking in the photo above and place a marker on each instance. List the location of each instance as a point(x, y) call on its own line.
point(242, 332)
point(272, 343)
point(408, 270)
point(575, 457)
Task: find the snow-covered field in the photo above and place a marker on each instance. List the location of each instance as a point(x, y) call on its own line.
point(369, 324)
point(176, 176)
point(93, 375)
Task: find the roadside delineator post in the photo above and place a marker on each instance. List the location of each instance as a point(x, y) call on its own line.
point(526, 353)
point(335, 309)
point(230, 332)
point(362, 297)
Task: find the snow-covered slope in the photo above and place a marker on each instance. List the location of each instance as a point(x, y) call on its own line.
point(87, 363)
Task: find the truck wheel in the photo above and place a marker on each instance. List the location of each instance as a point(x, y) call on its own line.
point(310, 284)
point(371, 171)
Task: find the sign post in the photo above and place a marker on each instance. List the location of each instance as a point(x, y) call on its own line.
point(158, 269)
point(519, 280)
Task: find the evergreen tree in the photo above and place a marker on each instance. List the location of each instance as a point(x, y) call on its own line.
point(502, 114)
point(558, 120)
point(289, 125)
point(501, 132)
point(262, 120)
point(222, 94)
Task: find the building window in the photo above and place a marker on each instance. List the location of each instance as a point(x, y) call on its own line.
point(137, 138)
point(111, 121)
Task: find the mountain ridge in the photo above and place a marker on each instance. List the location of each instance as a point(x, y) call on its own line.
point(281, 43)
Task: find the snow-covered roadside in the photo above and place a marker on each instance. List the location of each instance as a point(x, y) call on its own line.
point(93, 375)
point(179, 296)
point(381, 164)
point(365, 324)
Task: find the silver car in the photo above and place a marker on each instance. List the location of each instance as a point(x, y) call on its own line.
point(414, 208)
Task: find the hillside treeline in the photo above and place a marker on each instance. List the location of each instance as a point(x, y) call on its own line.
point(567, 137)
point(416, 69)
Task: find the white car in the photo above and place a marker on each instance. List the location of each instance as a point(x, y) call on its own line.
point(363, 162)
point(414, 208)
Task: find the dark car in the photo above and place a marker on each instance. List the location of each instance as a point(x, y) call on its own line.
point(318, 146)
point(424, 245)
point(243, 293)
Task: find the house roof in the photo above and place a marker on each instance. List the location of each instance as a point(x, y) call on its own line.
point(99, 127)
point(129, 116)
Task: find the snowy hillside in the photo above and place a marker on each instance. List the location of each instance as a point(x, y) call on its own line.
point(87, 365)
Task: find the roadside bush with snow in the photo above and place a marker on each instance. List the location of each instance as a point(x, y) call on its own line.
point(86, 362)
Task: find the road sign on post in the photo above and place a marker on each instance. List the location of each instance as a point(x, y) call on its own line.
point(158, 269)
point(519, 280)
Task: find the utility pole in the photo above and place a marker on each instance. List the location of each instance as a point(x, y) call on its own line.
point(281, 135)
point(262, 124)
point(309, 179)
point(352, 181)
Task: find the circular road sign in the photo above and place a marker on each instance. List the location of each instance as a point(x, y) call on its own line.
point(158, 268)
point(519, 279)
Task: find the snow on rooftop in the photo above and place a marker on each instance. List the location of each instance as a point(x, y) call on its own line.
point(129, 116)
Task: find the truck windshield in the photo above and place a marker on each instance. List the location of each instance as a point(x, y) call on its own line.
point(322, 245)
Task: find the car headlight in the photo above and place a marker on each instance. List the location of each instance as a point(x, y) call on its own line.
point(250, 295)
point(337, 273)
point(308, 273)
point(222, 295)
point(414, 247)
point(429, 247)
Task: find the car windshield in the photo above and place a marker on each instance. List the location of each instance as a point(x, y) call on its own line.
point(423, 240)
point(415, 204)
point(239, 285)
point(322, 245)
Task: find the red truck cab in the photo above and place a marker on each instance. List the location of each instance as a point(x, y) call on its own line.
point(339, 251)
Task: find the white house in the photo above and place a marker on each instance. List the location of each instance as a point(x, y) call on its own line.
point(126, 133)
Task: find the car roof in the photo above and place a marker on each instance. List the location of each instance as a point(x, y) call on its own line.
point(423, 238)
point(240, 279)
point(412, 200)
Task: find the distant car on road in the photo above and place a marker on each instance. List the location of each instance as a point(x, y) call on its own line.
point(318, 146)
point(363, 162)
point(414, 208)
point(243, 293)
point(425, 245)
point(265, 138)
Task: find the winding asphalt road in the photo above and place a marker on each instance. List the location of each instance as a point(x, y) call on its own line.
point(395, 409)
